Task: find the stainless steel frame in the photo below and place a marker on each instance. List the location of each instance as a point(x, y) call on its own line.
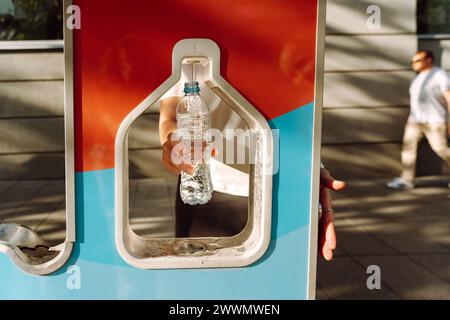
point(317, 140)
point(241, 250)
point(46, 266)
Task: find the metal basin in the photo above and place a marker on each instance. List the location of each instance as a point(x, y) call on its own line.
point(20, 236)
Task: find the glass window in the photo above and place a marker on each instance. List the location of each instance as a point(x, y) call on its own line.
point(433, 16)
point(31, 19)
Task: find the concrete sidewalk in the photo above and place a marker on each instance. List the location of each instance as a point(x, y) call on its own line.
point(405, 233)
point(37, 204)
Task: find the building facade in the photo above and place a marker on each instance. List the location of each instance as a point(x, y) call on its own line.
point(367, 76)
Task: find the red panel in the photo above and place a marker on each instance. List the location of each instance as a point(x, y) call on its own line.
point(123, 52)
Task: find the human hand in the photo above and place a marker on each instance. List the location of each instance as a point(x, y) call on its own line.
point(327, 234)
point(172, 156)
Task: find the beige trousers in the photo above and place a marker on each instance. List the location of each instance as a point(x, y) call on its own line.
point(436, 135)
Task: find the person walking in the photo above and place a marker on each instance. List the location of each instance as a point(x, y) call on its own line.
point(430, 105)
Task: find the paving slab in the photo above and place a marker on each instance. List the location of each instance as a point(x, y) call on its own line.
point(343, 278)
point(406, 233)
point(409, 279)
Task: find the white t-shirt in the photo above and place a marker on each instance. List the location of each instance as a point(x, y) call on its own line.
point(6, 7)
point(428, 104)
point(226, 178)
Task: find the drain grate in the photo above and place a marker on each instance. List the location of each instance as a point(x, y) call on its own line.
point(190, 247)
point(40, 252)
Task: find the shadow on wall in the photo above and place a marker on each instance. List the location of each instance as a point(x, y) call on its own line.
point(396, 15)
point(32, 139)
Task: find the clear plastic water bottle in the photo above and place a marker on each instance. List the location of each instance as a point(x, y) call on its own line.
point(193, 125)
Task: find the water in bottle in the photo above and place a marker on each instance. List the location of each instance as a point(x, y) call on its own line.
point(193, 130)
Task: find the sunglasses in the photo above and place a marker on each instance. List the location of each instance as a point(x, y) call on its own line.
point(418, 60)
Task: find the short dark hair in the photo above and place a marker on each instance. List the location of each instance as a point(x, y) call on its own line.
point(428, 54)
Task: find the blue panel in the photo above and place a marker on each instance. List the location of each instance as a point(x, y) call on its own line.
point(280, 274)
point(292, 184)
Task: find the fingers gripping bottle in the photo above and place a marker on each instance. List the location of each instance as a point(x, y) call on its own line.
point(193, 122)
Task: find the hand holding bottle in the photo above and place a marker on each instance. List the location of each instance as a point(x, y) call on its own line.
point(173, 159)
point(172, 156)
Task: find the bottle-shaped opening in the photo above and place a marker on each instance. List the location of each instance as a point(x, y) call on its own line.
point(212, 199)
point(157, 227)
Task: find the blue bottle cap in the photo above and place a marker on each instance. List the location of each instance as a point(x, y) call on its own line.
point(191, 87)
